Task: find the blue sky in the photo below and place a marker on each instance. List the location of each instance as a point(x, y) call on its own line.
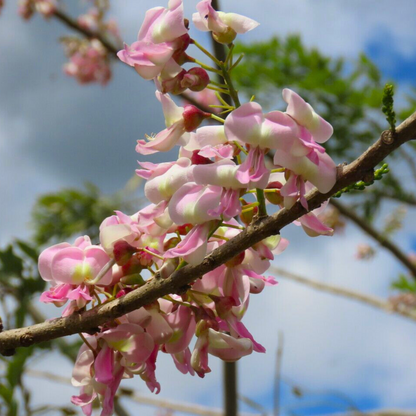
point(54, 133)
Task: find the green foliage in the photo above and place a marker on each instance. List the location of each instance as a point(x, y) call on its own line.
point(63, 214)
point(361, 185)
point(347, 94)
point(388, 102)
point(404, 284)
point(13, 381)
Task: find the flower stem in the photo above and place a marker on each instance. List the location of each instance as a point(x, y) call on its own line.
point(262, 203)
point(88, 344)
point(206, 52)
point(151, 253)
point(206, 67)
point(102, 272)
point(221, 120)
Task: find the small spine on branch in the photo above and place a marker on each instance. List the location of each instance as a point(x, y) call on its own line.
point(361, 185)
point(388, 102)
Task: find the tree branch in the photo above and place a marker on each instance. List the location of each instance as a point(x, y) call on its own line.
point(349, 213)
point(73, 24)
point(179, 281)
point(346, 293)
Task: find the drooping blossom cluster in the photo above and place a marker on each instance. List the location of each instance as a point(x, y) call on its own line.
point(89, 61)
point(217, 186)
point(26, 8)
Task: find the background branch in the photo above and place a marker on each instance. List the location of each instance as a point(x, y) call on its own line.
point(349, 213)
point(346, 293)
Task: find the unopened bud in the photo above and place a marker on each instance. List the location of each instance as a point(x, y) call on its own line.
point(193, 117)
point(123, 292)
point(181, 45)
point(226, 37)
point(274, 197)
point(196, 79)
point(247, 216)
point(197, 159)
point(171, 243)
point(122, 252)
point(133, 279)
point(168, 267)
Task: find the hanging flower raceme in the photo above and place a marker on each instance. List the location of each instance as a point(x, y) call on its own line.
point(194, 204)
point(162, 39)
point(88, 61)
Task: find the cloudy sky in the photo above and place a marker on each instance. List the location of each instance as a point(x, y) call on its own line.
point(54, 133)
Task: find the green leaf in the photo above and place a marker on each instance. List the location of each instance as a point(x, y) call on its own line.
point(28, 250)
point(16, 365)
point(404, 284)
point(11, 264)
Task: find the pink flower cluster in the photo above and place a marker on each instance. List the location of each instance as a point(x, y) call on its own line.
point(26, 8)
point(163, 39)
point(88, 61)
point(197, 204)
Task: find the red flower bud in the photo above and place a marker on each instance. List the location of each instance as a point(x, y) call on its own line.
point(193, 117)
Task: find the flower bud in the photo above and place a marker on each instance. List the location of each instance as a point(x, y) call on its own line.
point(274, 197)
point(247, 216)
point(181, 44)
point(172, 242)
point(132, 279)
point(123, 252)
point(168, 267)
point(123, 292)
point(196, 79)
point(193, 117)
point(225, 37)
point(184, 229)
point(197, 159)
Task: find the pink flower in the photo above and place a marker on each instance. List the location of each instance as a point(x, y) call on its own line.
point(195, 204)
point(248, 125)
point(163, 187)
point(163, 25)
point(74, 264)
point(88, 62)
point(163, 34)
point(193, 248)
point(179, 121)
point(305, 116)
point(224, 26)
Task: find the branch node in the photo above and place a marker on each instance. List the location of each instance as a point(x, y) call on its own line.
point(387, 137)
point(26, 340)
point(369, 176)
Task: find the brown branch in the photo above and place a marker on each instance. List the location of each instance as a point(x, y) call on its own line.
point(404, 198)
point(349, 213)
point(346, 293)
point(73, 24)
point(179, 281)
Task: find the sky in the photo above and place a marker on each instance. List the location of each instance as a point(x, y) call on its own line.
point(54, 133)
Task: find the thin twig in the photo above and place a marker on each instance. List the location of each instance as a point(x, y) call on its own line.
point(349, 213)
point(346, 293)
